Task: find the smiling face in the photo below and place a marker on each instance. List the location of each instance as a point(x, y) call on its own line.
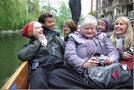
point(69, 26)
point(66, 29)
point(120, 27)
point(88, 24)
point(49, 23)
point(101, 26)
point(88, 30)
point(37, 29)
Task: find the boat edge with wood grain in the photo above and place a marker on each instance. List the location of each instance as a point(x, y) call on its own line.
point(19, 79)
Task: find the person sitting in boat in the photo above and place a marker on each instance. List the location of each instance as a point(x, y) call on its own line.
point(69, 27)
point(44, 53)
point(83, 43)
point(78, 55)
point(122, 38)
point(47, 21)
point(103, 26)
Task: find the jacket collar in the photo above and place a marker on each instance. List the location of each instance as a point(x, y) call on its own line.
point(46, 28)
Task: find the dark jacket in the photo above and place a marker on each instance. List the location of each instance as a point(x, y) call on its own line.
point(35, 49)
point(49, 32)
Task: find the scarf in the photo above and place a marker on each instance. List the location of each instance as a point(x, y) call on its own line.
point(119, 41)
point(44, 41)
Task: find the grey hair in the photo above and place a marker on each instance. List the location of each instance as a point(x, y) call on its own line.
point(88, 19)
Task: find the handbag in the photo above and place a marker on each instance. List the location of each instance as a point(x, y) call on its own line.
point(106, 77)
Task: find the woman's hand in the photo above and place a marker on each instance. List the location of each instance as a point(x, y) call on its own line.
point(126, 56)
point(107, 60)
point(92, 62)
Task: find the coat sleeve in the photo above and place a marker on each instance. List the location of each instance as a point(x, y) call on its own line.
point(29, 51)
point(71, 56)
point(61, 44)
point(111, 50)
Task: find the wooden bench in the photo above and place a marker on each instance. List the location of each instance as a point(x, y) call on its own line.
point(19, 79)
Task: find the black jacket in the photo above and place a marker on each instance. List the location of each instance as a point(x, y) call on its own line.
point(35, 49)
point(49, 32)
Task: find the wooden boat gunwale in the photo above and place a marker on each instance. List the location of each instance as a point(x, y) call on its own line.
point(19, 79)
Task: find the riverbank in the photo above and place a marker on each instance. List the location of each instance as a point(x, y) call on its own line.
point(9, 31)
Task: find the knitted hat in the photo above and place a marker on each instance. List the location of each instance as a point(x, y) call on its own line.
point(27, 31)
point(107, 24)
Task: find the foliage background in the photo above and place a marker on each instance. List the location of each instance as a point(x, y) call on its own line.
point(16, 13)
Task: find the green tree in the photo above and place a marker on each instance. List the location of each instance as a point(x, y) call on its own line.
point(94, 14)
point(60, 14)
point(48, 7)
point(15, 13)
point(64, 14)
point(10, 14)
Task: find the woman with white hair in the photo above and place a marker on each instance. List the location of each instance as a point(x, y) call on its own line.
point(85, 42)
point(43, 52)
point(79, 51)
point(45, 55)
point(84, 50)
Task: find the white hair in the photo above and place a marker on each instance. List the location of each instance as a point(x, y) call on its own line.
point(36, 24)
point(43, 40)
point(88, 19)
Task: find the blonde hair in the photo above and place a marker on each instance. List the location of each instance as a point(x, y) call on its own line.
point(128, 41)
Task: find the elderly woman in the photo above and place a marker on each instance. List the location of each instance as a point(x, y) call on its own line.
point(79, 50)
point(85, 42)
point(44, 53)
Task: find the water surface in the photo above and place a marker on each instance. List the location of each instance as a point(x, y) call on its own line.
point(10, 44)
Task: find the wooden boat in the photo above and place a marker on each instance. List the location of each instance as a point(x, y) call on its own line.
point(19, 79)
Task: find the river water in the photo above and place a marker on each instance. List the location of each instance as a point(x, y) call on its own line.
point(10, 44)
